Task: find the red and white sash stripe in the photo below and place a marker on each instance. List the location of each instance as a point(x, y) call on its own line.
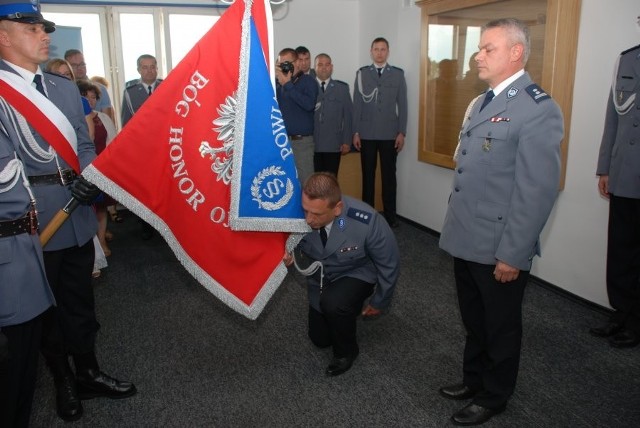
point(44, 116)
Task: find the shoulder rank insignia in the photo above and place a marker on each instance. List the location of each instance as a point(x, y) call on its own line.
point(361, 216)
point(132, 83)
point(537, 93)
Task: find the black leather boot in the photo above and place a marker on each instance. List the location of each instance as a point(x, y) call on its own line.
point(68, 403)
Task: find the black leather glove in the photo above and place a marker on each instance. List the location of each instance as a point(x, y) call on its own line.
point(83, 191)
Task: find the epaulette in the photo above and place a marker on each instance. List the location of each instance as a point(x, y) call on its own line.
point(397, 68)
point(339, 82)
point(364, 67)
point(360, 215)
point(630, 49)
point(131, 83)
point(537, 93)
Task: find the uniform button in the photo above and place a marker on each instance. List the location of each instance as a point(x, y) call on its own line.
point(468, 133)
point(632, 142)
point(635, 124)
point(459, 170)
point(489, 135)
point(457, 189)
point(499, 217)
point(464, 152)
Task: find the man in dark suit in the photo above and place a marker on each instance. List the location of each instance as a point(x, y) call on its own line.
point(71, 328)
point(619, 171)
point(332, 118)
point(138, 91)
point(506, 182)
point(380, 124)
point(359, 254)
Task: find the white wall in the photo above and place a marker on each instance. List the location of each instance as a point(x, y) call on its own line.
point(574, 241)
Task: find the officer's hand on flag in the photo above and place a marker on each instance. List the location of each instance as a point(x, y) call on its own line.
point(84, 192)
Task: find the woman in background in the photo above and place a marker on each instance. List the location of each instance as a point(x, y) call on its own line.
point(105, 131)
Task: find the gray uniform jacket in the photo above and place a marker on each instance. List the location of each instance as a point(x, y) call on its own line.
point(620, 148)
point(135, 94)
point(24, 290)
point(361, 245)
point(333, 117)
point(50, 198)
point(380, 103)
point(506, 178)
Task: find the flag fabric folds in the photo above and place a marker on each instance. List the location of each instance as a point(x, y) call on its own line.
point(201, 161)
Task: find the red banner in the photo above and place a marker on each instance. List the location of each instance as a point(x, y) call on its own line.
point(157, 167)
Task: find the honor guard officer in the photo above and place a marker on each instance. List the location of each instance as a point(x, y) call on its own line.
point(506, 182)
point(360, 256)
point(138, 91)
point(70, 328)
point(380, 124)
point(332, 118)
point(619, 171)
point(24, 290)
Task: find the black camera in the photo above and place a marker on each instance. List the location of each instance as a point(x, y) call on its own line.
point(286, 67)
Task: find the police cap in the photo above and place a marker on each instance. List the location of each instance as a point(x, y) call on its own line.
point(27, 12)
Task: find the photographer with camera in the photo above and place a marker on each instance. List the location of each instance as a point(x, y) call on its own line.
point(297, 93)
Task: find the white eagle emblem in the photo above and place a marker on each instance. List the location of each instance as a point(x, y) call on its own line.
point(223, 156)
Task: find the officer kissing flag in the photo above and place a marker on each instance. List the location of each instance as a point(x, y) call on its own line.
point(207, 162)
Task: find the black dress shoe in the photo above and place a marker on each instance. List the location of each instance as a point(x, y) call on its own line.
point(474, 415)
point(94, 383)
point(68, 403)
point(339, 365)
point(625, 339)
point(607, 330)
point(457, 392)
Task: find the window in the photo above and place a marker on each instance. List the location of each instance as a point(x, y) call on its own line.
point(125, 33)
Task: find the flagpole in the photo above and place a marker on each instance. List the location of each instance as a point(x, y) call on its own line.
point(61, 216)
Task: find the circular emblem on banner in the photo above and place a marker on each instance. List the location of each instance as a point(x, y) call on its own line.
point(271, 189)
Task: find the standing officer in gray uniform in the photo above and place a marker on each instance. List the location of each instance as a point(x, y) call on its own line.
point(332, 118)
point(137, 91)
point(24, 292)
point(380, 124)
point(619, 171)
point(506, 182)
point(358, 252)
point(70, 328)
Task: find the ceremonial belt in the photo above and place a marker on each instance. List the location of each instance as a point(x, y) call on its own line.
point(27, 224)
point(63, 178)
point(298, 137)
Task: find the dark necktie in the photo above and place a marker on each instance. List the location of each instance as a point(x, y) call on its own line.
point(149, 89)
point(323, 236)
point(379, 71)
point(487, 98)
point(37, 79)
point(322, 86)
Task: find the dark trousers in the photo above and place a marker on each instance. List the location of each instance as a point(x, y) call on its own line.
point(623, 261)
point(369, 159)
point(18, 372)
point(326, 162)
point(70, 327)
point(492, 316)
point(341, 302)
